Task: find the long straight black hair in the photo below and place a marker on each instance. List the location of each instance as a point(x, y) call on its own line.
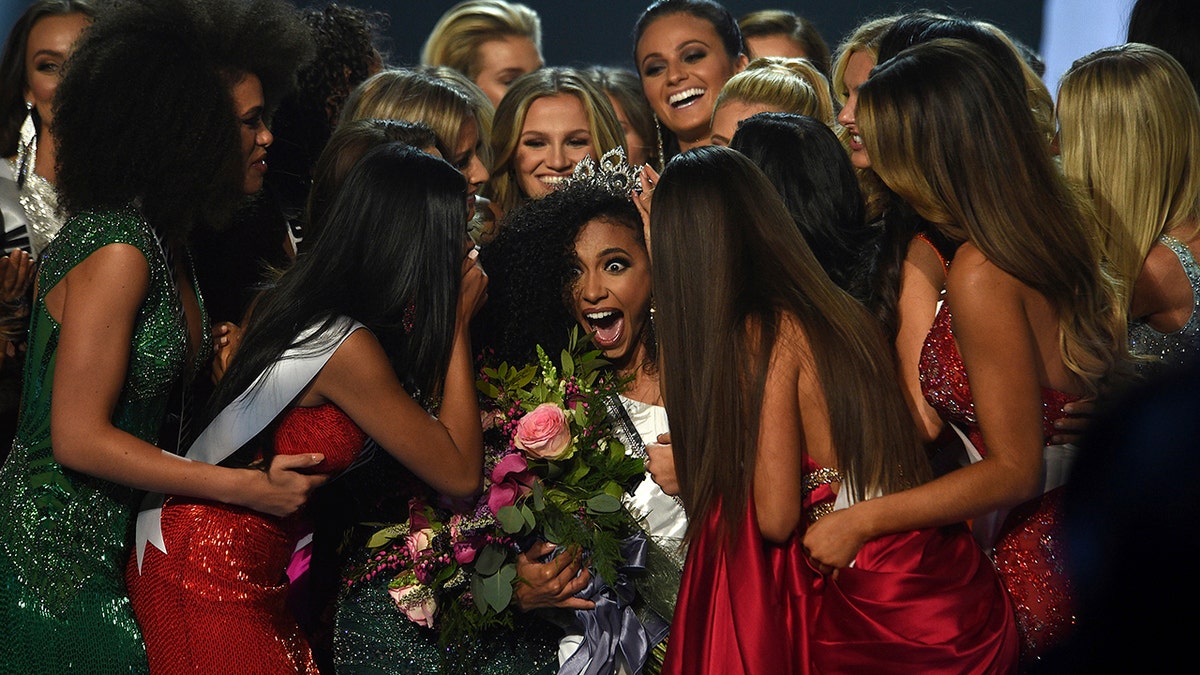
point(389, 255)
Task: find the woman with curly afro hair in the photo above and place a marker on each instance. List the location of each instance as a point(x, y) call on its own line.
point(579, 256)
point(159, 123)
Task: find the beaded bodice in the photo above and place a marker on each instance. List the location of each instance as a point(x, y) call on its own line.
point(1177, 347)
point(944, 383)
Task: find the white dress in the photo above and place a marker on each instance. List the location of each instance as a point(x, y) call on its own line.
point(663, 514)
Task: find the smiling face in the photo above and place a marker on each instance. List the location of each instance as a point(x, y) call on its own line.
point(683, 65)
point(49, 45)
point(732, 112)
point(249, 106)
point(503, 60)
point(466, 159)
point(858, 68)
point(554, 138)
point(611, 290)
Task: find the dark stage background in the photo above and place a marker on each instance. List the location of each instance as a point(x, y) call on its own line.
point(586, 32)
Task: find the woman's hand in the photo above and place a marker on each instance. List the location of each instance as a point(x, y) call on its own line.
point(660, 462)
point(647, 180)
point(553, 583)
point(1071, 429)
point(472, 292)
point(284, 488)
point(226, 337)
point(16, 274)
point(833, 541)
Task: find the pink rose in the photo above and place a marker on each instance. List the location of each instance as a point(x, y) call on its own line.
point(417, 603)
point(511, 480)
point(418, 541)
point(544, 432)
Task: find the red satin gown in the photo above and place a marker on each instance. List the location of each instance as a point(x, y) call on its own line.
point(1029, 553)
point(216, 602)
point(927, 601)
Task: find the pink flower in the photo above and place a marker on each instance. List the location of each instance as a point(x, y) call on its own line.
point(544, 432)
point(464, 552)
point(417, 603)
point(418, 541)
point(511, 480)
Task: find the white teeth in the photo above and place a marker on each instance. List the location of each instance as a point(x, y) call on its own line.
point(552, 180)
point(856, 138)
point(686, 93)
point(596, 316)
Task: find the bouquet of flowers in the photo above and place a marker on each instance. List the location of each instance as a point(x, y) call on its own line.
point(553, 471)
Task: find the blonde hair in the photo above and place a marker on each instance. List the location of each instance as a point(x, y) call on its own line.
point(458, 34)
point(1130, 138)
point(406, 94)
point(1041, 102)
point(865, 38)
point(949, 132)
point(485, 112)
point(788, 85)
point(603, 125)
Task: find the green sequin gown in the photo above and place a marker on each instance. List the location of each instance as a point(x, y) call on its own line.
point(65, 536)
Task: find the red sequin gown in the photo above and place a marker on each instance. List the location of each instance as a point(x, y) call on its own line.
point(1030, 548)
point(926, 601)
point(216, 602)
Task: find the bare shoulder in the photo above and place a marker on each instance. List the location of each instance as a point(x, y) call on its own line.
point(922, 255)
point(973, 279)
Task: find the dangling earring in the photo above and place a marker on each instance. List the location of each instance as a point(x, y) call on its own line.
point(26, 145)
point(658, 139)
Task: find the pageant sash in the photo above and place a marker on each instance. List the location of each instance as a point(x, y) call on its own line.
point(243, 419)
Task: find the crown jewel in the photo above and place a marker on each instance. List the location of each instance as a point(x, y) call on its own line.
point(612, 173)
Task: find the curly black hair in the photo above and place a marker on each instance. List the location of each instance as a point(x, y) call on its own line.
point(530, 269)
point(145, 112)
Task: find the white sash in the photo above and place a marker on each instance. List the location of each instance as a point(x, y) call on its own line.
point(272, 391)
point(1057, 461)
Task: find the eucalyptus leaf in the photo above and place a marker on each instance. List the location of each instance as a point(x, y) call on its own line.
point(510, 519)
point(490, 559)
point(603, 503)
point(497, 589)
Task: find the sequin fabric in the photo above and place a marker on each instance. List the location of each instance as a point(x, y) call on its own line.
point(373, 637)
point(1029, 552)
point(816, 489)
point(64, 536)
point(1177, 348)
point(216, 601)
point(39, 199)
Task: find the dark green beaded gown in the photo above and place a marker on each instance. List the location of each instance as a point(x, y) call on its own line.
point(65, 536)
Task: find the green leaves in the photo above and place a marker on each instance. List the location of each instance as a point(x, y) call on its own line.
point(603, 503)
point(494, 591)
point(382, 537)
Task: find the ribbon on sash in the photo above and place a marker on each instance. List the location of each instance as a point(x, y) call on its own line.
point(243, 419)
point(613, 634)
